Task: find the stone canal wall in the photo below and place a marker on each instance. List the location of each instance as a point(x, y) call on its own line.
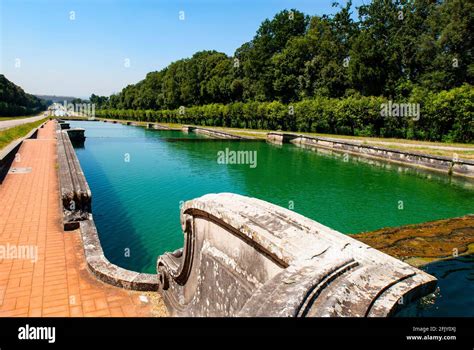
point(110, 273)
point(7, 154)
point(449, 166)
point(157, 126)
point(76, 200)
point(74, 190)
point(212, 133)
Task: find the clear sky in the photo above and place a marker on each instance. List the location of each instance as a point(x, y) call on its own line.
point(104, 45)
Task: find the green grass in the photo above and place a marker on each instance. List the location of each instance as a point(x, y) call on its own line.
point(9, 135)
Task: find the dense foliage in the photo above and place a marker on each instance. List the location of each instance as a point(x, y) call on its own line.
point(15, 102)
point(399, 50)
point(444, 116)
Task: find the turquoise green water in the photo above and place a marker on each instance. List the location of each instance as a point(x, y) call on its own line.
point(136, 202)
point(454, 296)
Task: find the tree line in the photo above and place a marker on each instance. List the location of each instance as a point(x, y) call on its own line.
point(14, 101)
point(444, 116)
point(395, 50)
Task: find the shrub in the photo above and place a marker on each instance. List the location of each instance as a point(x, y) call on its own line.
point(444, 116)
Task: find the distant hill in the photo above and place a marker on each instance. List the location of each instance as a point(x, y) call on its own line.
point(56, 99)
point(14, 101)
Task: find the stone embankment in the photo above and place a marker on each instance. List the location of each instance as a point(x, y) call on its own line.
point(449, 166)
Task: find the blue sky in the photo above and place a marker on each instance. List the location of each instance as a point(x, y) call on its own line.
point(60, 56)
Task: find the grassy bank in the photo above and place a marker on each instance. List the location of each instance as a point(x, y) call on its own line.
point(9, 135)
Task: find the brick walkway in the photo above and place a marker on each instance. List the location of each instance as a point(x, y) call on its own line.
point(58, 282)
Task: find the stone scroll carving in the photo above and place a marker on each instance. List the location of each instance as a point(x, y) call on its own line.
point(246, 257)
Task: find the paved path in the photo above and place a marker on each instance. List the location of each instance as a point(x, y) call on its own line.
point(58, 283)
point(6, 124)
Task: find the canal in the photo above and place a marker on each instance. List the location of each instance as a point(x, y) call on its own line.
point(140, 177)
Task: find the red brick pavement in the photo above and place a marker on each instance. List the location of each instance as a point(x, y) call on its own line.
point(58, 283)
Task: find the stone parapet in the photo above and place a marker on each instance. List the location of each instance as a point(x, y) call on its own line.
point(75, 194)
point(246, 257)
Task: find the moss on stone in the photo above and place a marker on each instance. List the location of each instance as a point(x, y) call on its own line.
point(420, 244)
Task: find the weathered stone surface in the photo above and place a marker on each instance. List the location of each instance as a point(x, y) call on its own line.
point(211, 133)
point(280, 138)
point(76, 134)
point(157, 126)
point(107, 272)
point(75, 193)
point(187, 128)
point(246, 257)
point(63, 125)
point(424, 243)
